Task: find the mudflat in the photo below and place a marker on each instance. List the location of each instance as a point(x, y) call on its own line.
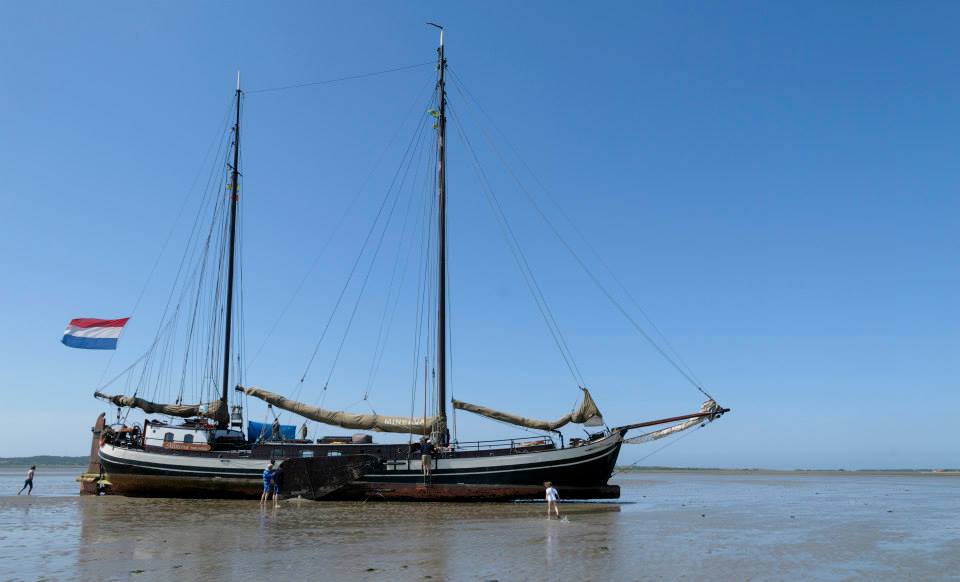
point(667, 526)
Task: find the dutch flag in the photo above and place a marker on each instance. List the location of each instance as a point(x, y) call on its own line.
point(93, 334)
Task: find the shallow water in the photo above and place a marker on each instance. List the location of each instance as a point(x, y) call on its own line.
point(668, 526)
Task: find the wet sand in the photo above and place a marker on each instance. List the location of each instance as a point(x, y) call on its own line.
point(668, 526)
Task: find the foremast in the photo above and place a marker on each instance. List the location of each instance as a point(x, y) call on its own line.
point(440, 432)
point(223, 420)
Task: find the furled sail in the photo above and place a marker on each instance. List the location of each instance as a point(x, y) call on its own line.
point(215, 410)
point(587, 413)
point(711, 409)
point(375, 422)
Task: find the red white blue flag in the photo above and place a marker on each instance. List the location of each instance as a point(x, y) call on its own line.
point(94, 334)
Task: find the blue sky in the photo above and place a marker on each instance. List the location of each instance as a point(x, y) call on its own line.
point(775, 183)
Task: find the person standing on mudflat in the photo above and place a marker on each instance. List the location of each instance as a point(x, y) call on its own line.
point(275, 485)
point(552, 498)
point(268, 475)
point(28, 484)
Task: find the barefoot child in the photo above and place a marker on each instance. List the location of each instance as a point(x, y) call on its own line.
point(29, 481)
point(268, 484)
point(552, 498)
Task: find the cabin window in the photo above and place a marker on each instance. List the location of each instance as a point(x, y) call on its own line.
point(168, 437)
point(306, 453)
point(333, 453)
point(277, 453)
point(188, 438)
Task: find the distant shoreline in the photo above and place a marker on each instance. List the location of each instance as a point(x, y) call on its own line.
point(748, 471)
point(81, 461)
point(44, 461)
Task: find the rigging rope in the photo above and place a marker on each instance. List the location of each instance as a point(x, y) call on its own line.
point(402, 172)
point(158, 362)
point(338, 79)
point(166, 243)
point(521, 260)
point(335, 231)
point(655, 451)
point(214, 195)
point(393, 300)
point(405, 164)
point(363, 286)
point(423, 286)
point(671, 360)
point(353, 269)
point(469, 97)
point(130, 367)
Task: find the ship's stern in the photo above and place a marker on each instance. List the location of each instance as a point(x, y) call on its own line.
point(90, 480)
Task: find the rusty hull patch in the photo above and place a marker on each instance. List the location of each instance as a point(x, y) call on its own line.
point(185, 487)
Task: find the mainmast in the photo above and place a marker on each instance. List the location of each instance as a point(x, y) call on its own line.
point(234, 198)
point(441, 250)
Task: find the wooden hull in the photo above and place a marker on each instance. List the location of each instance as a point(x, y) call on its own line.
point(138, 473)
point(140, 485)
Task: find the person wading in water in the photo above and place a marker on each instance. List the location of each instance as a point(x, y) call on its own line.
point(552, 498)
point(268, 484)
point(28, 484)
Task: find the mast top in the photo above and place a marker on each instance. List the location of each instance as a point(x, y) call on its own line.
point(435, 25)
point(238, 78)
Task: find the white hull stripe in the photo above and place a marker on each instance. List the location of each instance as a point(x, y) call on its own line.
point(210, 472)
point(181, 462)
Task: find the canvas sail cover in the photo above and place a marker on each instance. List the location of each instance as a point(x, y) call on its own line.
point(708, 407)
point(214, 410)
point(587, 413)
point(374, 422)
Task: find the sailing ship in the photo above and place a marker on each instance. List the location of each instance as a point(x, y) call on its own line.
point(201, 450)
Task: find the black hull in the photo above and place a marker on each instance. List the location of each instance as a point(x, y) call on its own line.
point(589, 471)
point(582, 472)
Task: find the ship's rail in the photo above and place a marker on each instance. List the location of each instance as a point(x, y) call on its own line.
point(514, 444)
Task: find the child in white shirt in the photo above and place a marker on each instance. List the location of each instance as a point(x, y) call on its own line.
point(552, 498)
point(29, 481)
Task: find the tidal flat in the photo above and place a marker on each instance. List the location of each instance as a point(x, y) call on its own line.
point(671, 525)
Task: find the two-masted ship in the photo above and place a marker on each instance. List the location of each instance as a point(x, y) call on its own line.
point(202, 450)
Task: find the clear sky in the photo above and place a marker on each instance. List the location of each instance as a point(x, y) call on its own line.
point(776, 183)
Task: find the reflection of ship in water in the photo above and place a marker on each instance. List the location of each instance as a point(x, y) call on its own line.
point(121, 538)
point(207, 453)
